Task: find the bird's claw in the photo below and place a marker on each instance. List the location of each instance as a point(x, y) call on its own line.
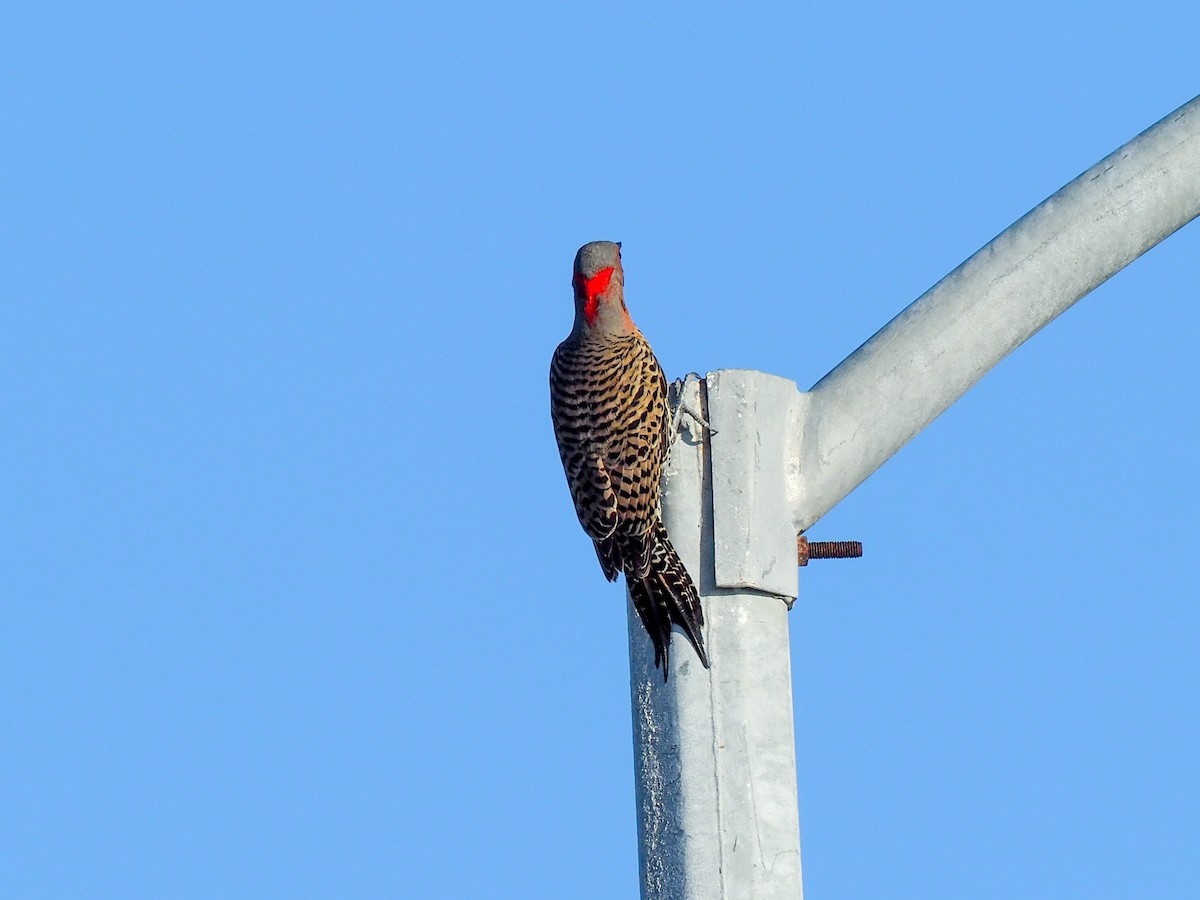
point(682, 407)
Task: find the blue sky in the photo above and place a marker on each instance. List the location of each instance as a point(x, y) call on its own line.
point(294, 600)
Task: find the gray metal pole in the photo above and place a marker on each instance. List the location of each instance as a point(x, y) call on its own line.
point(713, 749)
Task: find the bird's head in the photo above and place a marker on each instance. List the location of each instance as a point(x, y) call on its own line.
point(599, 283)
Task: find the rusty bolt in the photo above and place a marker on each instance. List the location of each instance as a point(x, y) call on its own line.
point(806, 550)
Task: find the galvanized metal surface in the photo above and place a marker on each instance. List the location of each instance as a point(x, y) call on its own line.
point(935, 350)
point(714, 749)
point(756, 427)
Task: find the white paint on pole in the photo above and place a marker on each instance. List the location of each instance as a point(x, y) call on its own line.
point(714, 749)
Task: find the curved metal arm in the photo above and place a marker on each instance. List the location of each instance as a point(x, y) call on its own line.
point(935, 350)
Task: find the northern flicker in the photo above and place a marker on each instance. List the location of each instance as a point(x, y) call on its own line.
point(608, 401)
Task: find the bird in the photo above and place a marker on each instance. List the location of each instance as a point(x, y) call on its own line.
point(613, 425)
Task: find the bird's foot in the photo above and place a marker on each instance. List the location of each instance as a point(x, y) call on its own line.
point(683, 408)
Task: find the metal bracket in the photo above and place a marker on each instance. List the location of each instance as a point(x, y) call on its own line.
point(756, 421)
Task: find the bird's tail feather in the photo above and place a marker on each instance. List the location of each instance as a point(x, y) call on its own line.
point(666, 596)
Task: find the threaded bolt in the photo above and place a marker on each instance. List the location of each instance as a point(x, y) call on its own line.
point(806, 550)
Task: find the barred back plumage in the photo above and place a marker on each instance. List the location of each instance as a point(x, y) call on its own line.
point(608, 403)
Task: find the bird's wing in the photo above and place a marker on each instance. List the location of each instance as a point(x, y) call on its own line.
point(587, 475)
